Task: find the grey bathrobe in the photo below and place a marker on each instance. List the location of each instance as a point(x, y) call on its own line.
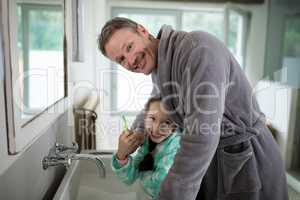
point(226, 150)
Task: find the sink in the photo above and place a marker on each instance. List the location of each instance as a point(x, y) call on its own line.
point(82, 182)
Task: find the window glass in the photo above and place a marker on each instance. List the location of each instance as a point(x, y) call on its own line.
point(211, 22)
point(133, 90)
point(235, 35)
point(153, 22)
point(40, 46)
point(292, 37)
point(291, 51)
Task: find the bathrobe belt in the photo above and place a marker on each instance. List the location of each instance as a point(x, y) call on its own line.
point(243, 134)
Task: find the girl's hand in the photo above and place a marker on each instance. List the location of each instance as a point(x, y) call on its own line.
point(128, 142)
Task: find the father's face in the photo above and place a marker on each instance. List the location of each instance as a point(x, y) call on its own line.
point(134, 51)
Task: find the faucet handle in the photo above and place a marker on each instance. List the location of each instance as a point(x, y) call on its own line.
point(52, 161)
point(62, 148)
point(60, 154)
point(75, 147)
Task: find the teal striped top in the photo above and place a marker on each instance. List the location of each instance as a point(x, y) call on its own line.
point(163, 160)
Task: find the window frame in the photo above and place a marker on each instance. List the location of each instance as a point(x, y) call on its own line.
point(246, 16)
point(20, 134)
point(77, 31)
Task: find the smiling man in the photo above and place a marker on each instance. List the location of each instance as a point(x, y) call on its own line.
point(133, 48)
point(226, 152)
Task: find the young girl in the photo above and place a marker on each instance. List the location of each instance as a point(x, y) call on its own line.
point(155, 157)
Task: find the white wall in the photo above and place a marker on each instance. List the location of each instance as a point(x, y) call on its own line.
point(25, 178)
point(107, 126)
point(81, 74)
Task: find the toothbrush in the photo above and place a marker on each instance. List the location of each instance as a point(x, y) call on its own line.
point(125, 123)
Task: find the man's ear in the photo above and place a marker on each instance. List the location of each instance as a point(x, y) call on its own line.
point(142, 30)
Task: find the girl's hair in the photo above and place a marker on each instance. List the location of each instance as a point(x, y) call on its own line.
point(147, 163)
point(151, 100)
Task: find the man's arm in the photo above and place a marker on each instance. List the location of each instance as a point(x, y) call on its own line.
point(203, 99)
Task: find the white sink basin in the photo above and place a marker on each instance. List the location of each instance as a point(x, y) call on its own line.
point(83, 182)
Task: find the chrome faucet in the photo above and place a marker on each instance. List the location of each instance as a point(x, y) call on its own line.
point(63, 155)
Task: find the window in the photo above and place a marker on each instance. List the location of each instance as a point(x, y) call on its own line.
point(130, 91)
point(40, 58)
point(290, 74)
point(237, 32)
point(207, 20)
point(36, 80)
point(292, 37)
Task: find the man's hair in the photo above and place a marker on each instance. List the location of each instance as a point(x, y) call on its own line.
point(111, 27)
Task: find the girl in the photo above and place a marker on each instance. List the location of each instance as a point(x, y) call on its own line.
point(155, 157)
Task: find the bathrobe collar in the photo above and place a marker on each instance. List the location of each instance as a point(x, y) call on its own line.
point(166, 68)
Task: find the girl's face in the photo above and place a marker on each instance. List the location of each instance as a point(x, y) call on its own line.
point(157, 124)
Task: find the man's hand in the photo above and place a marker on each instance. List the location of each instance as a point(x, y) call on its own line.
point(129, 141)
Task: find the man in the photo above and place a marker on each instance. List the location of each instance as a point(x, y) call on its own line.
point(226, 148)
